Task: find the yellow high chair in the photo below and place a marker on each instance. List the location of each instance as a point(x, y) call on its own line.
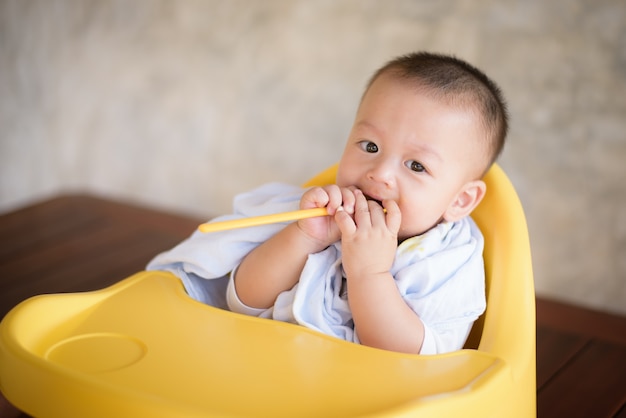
point(143, 348)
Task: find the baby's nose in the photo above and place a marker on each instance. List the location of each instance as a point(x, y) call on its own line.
point(382, 173)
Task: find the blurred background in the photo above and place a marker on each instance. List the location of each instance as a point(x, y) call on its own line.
point(180, 105)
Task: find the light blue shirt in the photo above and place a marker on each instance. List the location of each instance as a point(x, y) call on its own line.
point(440, 274)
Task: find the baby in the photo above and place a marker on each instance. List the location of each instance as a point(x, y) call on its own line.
point(398, 263)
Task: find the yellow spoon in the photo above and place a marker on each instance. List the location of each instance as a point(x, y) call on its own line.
point(262, 220)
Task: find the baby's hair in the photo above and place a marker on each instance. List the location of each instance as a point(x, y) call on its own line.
point(459, 83)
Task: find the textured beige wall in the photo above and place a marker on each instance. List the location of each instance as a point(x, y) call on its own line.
point(181, 104)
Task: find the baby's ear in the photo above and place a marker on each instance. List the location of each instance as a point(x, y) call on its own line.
point(466, 200)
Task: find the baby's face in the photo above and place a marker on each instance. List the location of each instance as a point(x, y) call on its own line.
point(413, 149)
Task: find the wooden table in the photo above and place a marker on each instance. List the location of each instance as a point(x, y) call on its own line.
point(79, 243)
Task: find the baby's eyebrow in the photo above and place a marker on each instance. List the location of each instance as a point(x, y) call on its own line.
point(427, 151)
point(363, 124)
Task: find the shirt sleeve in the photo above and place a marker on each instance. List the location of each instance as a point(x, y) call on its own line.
point(443, 342)
point(235, 304)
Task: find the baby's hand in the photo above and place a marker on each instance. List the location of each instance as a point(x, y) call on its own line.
point(369, 238)
point(324, 229)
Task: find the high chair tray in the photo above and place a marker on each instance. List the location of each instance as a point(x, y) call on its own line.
point(142, 347)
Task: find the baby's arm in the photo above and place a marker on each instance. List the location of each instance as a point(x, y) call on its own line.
point(275, 266)
point(369, 241)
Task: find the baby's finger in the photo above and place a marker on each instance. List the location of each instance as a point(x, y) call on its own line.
point(334, 198)
point(393, 217)
point(345, 222)
point(361, 210)
point(348, 199)
point(316, 197)
point(377, 213)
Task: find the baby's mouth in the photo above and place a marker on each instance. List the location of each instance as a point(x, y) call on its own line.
point(380, 202)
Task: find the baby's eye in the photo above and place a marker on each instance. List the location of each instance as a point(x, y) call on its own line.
point(369, 146)
point(415, 166)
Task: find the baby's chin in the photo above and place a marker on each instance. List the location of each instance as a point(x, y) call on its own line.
point(404, 236)
point(407, 232)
